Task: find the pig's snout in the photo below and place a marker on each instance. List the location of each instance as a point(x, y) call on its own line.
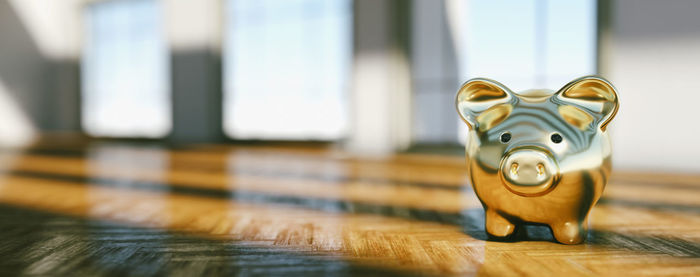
point(529, 171)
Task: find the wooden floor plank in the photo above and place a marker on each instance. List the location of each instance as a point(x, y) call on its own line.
point(384, 192)
point(309, 211)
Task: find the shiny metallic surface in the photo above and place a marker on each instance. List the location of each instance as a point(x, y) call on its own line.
point(529, 172)
point(554, 163)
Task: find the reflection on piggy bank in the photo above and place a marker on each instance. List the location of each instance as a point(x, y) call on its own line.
point(538, 156)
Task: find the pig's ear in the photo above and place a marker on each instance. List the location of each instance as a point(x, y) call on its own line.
point(591, 95)
point(483, 103)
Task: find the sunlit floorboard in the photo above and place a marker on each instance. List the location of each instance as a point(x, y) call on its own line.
point(106, 209)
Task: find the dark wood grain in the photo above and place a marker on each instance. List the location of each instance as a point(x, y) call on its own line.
point(41, 243)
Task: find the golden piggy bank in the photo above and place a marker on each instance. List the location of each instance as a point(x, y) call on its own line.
point(538, 156)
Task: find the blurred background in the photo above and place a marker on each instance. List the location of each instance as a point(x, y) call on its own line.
point(367, 76)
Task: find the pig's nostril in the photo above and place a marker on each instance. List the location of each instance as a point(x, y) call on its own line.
point(514, 169)
point(540, 169)
point(528, 172)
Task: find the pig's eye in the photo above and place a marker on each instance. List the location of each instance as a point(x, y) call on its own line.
point(505, 137)
point(556, 138)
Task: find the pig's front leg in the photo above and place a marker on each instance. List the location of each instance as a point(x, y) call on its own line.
point(497, 225)
point(569, 232)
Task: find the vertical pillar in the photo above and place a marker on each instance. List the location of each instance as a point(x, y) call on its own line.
point(193, 29)
point(381, 93)
point(435, 75)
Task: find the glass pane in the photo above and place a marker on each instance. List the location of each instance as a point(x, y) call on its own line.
point(286, 69)
point(527, 44)
point(125, 70)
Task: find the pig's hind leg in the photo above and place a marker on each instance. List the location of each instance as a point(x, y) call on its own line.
point(569, 232)
point(498, 226)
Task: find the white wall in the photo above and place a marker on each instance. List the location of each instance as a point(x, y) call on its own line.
point(22, 78)
point(38, 69)
point(434, 74)
point(653, 58)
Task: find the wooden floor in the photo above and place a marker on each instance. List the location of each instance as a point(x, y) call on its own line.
point(110, 209)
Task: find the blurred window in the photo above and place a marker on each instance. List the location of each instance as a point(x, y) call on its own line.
point(529, 44)
point(522, 44)
point(125, 70)
point(286, 69)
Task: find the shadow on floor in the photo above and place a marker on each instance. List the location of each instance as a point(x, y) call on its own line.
point(40, 243)
point(471, 220)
